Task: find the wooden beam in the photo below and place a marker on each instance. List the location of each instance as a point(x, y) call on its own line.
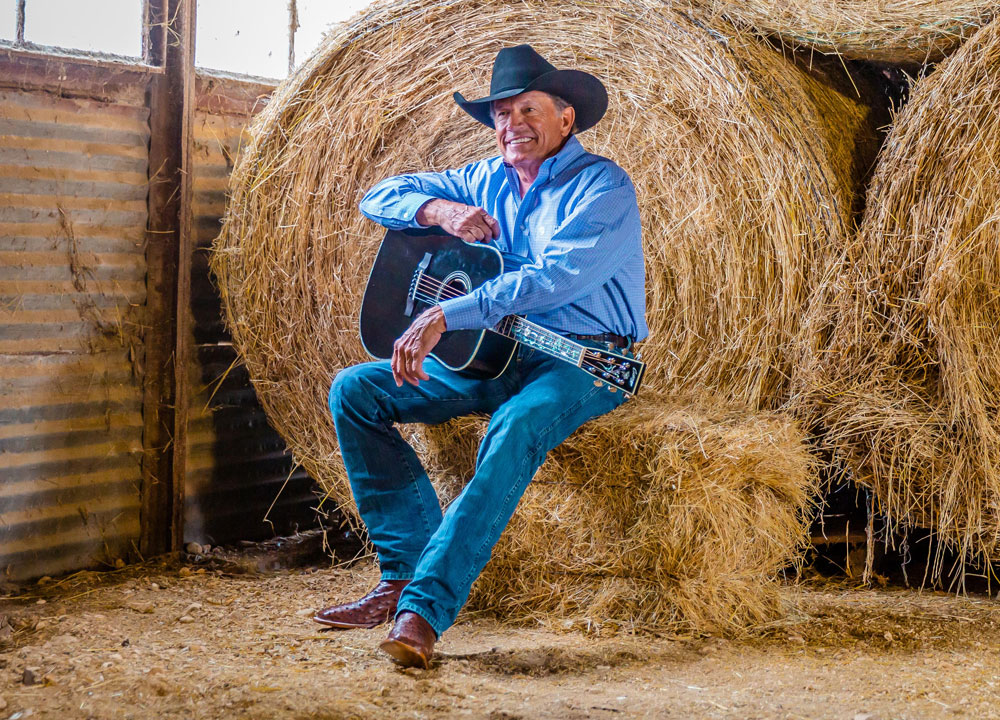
point(170, 99)
point(77, 77)
point(222, 95)
point(185, 251)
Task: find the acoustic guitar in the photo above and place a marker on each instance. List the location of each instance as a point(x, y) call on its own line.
point(417, 269)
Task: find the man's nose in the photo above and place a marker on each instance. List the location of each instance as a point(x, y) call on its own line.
point(516, 119)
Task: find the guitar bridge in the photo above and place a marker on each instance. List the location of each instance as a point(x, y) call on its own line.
point(415, 283)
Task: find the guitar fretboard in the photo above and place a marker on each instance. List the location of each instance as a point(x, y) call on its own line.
point(537, 337)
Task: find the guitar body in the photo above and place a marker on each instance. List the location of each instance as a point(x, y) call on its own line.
point(416, 269)
point(390, 303)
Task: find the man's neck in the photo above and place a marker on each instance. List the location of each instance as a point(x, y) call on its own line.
point(526, 176)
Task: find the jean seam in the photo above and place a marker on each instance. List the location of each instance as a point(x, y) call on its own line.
point(490, 396)
point(396, 576)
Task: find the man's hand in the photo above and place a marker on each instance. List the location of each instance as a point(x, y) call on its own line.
point(472, 224)
point(409, 351)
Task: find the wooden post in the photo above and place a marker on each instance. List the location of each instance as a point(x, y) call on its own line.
point(170, 100)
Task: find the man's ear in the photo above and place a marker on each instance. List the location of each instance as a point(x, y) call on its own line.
point(568, 120)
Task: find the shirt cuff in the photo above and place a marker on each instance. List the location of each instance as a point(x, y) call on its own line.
point(463, 313)
point(408, 206)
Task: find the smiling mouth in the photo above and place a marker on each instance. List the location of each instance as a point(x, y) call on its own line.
point(519, 141)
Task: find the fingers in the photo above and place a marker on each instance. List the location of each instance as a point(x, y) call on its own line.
point(493, 224)
point(407, 363)
point(401, 363)
point(410, 348)
point(394, 363)
point(415, 368)
point(475, 234)
point(486, 224)
point(472, 224)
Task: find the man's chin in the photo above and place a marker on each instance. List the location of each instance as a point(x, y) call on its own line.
point(517, 158)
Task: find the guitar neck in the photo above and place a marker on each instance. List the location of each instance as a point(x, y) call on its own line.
point(537, 337)
point(618, 372)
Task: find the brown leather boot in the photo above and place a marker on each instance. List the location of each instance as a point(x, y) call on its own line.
point(375, 608)
point(411, 641)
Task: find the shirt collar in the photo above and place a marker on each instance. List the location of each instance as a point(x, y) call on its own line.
point(570, 151)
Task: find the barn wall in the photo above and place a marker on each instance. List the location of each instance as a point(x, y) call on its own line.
point(238, 469)
point(73, 183)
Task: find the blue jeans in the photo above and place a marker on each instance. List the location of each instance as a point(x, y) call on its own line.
point(536, 403)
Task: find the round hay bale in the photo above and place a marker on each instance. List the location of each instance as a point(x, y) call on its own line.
point(895, 31)
point(743, 165)
point(912, 371)
point(651, 518)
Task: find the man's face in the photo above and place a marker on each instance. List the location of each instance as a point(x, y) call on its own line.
point(530, 128)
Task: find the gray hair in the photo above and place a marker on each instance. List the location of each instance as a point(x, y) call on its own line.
point(560, 103)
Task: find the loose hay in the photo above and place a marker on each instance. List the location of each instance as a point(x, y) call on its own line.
point(651, 518)
point(896, 31)
point(912, 373)
point(743, 164)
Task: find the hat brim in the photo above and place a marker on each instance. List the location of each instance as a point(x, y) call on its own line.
point(580, 89)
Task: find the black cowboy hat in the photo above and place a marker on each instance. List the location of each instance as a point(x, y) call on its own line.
point(520, 69)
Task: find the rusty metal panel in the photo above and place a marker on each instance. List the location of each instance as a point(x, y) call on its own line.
point(239, 471)
point(73, 185)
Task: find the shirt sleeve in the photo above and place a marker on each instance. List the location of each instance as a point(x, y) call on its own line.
point(585, 251)
point(394, 202)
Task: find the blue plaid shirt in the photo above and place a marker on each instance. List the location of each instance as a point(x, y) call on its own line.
point(572, 246)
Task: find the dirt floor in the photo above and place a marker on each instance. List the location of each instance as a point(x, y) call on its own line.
point(176, 642)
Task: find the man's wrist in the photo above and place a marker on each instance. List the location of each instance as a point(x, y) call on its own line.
point(440, 320)
point(427, 215)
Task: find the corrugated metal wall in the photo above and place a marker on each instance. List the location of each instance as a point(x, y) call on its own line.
point(73, 184)
point(237, 466)
point(73, 286)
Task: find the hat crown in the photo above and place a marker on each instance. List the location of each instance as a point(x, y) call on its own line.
point(515, 67)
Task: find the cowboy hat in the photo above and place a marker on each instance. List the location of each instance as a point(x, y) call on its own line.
point(520, 69)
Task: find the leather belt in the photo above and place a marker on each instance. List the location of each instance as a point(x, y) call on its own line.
point(619, 341)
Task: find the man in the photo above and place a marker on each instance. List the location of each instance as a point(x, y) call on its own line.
point(567, 224)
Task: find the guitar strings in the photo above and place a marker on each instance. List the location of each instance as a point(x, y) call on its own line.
point(429, 286)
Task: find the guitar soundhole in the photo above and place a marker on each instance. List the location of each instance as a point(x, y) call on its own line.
point(458, 283)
